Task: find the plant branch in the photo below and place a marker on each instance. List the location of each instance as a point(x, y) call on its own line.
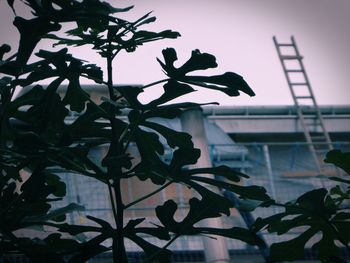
point(118, 246)
point(155, 83)
point(176, 236)
point(171, 241)
point(94, 79)
point(148, 195)
point(115, 54)
point(132, 131)
point(111, 196)
point(11, 57)
point(119, 239)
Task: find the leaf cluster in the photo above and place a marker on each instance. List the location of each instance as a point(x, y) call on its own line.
point(50, 130)
point(40, 140)
point(321, 215)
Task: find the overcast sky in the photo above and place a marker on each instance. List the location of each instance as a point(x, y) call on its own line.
point(239, 33)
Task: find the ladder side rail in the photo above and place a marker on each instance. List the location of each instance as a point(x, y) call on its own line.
point(324, 131)
point(318, 112)
point(299, 111)
point(308, 137)
point(285, 72)
point(298, 108)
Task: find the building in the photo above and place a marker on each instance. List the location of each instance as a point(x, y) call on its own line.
point(265, 142)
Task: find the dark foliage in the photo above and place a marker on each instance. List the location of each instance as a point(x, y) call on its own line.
point(37, 141)
point(37, 144)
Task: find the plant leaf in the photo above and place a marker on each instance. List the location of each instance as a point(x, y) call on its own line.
point(340, 159)
point(229, 82)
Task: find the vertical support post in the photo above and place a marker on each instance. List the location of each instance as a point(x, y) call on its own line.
point(269, 170)
point(215, 250)
point(70, 199)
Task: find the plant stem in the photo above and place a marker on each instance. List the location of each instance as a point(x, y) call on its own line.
point(94, 79)
point(119, 239)
point(163, 248)
point(111, 196)
point(171, 241)
point(4, 104)
point(110, 79)
point(132, 131)
point(155, 83)
point(118, 247)
point(148, 195)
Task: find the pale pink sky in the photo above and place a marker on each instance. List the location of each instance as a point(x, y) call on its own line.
point(239, 33)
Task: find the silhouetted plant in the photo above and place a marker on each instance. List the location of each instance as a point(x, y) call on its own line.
point(319, 211)
point(35, 139)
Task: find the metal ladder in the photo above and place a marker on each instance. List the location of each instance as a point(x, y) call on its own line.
point(310, 117)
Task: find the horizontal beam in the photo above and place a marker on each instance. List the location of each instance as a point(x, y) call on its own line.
point(233, 124)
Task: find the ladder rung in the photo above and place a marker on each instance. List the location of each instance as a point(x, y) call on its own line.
point(313, 123)
point(313, 127)
point(294, 70)
point(303, 97)
point(321, 150)
point(299, 83)
point(308, 113)
point(285, 45)
point(319, 138)
point(291, 57)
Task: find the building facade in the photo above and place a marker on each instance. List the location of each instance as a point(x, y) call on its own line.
point(265, 142)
